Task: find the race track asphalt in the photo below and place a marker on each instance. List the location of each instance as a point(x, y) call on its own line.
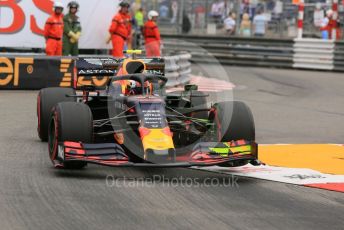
point(289, 106)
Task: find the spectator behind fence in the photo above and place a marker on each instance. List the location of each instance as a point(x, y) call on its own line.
point(333, 24)
point(139, 18)
point(139, 23)
point(164, 11)
point(326, 27)
point(259, 24)
point(318, 15)
point(186, 27)
point(72, 31)
point(217, 11)
point(245, 26)
point(53, 31)
point(230, 23)
point(174, 9)
point(244, 7)
point(339, 29)
point(120, 29)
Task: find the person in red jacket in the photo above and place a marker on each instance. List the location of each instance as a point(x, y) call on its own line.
point(152, 35)
point(331, 22)
point(120, 29)
point(53, 31)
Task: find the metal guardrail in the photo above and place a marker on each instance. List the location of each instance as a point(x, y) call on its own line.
point(177, 68)
point(339, 56)
point(234, 50)
point(304, 53)
point(314, 54)
point(285, 53)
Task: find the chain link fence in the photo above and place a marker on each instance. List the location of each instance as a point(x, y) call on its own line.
point(200, 17)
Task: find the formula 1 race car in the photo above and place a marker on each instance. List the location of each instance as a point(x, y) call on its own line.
point(132, 121)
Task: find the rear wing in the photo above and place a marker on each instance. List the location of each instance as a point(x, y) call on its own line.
point(97, 71)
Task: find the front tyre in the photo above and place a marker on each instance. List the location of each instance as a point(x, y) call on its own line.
point(46, 100)
point(233, 121)
point(70, 121)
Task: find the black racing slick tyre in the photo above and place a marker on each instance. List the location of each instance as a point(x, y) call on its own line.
point(46, 100)
point(70, 121)
point(233, 121)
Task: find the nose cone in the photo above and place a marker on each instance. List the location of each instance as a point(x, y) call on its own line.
point(156, 139)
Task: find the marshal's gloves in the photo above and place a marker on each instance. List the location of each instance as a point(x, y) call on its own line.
point(74, 37)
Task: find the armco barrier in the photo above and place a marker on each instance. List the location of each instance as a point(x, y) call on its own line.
point(234, 50)
point(178, 69)
point(314, 54)
point(304, 53)
point(32, 72)
point(339, 56)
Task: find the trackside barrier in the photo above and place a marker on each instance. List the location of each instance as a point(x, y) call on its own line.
point(33, 72)
point(234, 50)
point(339, 56)
point(314, 54)
point(303, 53)
point(178, 68)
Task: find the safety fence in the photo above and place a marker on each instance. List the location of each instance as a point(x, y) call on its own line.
point(234, 50)
point(306, 53)
point(32, 71)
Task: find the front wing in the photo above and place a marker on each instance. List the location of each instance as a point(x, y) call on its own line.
point(113, 155)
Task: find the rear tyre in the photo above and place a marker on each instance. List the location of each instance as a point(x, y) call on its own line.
point(70, 121)
point(46, 100)
point(233, 121)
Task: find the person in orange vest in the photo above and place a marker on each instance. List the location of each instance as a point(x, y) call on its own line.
point(53, 31)
point(120, 29)
point(152, 35)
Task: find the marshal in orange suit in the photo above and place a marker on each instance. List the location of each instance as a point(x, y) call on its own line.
point(120, 29)
point(152, 35)
point(53, 31)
